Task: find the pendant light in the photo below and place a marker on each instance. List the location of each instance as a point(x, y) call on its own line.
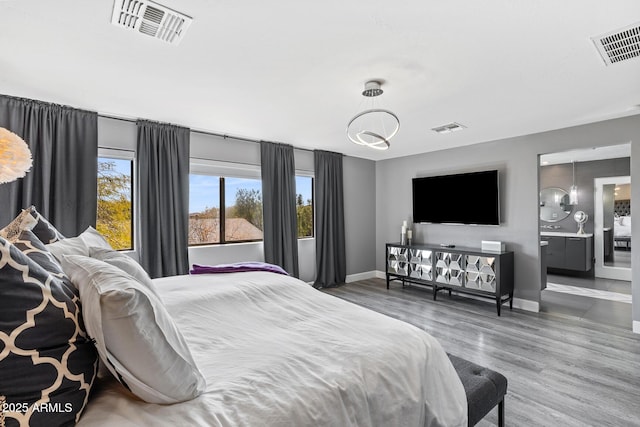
point(573, 192)
point(15, 156)
point(375, 126)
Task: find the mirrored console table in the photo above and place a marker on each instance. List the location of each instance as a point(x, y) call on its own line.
point(462, 270)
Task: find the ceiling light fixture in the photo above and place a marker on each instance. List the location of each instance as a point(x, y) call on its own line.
point(373, 127)
point(15, 156)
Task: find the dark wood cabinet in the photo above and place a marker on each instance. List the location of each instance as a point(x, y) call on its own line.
point(555, 251)
point(573, 253)
point(463, 270)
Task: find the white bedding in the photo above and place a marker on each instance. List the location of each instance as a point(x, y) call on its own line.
point(276, 352)
point(622, 226)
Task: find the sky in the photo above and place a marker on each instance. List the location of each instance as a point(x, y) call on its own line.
point(204, 192)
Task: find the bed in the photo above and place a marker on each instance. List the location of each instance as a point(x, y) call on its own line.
point(276, 352)
point(234, 349)
point(622, 232)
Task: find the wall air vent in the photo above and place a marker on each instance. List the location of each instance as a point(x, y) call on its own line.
point(151, 19)
point(619, 45)
point(448, 128)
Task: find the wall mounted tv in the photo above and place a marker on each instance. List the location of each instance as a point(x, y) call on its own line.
point(466, 198)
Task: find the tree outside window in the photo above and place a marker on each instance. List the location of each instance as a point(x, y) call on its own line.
point(304, 206)
point(229, 209)
point(115, 206)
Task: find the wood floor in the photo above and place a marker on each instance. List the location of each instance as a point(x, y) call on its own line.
point(561, 372)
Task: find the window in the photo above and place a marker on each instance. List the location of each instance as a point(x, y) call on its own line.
point(224, 209)
point(225, 204)
point(115, 198)
point(243, 209)
point(204, 209)
point(304, 206)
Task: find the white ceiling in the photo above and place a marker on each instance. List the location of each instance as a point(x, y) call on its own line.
point(292, 71)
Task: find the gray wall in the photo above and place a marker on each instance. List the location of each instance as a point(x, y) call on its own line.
point(360, 214)
point(359, 178)
point(517, 159)
point(562, 175)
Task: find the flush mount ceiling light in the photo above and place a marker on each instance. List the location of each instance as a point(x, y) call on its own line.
point(375, 126)
point(15, 156)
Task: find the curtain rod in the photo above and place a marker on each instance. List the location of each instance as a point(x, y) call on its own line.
point(221, 135)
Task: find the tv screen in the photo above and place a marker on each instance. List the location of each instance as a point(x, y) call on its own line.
point(467, 198)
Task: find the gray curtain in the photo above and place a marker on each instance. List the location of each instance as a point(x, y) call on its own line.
point(279, 206)
point(163, 179)
point(331, 259)
point(62, 183)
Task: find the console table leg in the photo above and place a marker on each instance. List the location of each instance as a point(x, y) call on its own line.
point(511, 301)
point(498, 304)
point(387, 281)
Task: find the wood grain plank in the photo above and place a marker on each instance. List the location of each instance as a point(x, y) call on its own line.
point(561, 371)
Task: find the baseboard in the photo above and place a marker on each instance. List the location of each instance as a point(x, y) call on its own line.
point(526, 305)
point(360, 276)
point(381, 275)
point(521, 304)
point(636, 327)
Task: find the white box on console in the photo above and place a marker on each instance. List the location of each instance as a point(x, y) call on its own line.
point(494, 246)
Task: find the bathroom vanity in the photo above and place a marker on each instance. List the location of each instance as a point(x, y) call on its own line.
point(568, 251)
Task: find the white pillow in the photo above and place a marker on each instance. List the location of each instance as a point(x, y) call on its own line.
point(78, 245)
point(124, 263)
point(135, 335)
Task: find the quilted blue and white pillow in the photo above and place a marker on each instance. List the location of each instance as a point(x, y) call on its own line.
point(47, 362)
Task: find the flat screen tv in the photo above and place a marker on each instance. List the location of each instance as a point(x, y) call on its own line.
point(466, 198)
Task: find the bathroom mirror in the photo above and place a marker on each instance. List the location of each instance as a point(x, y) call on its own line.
point(554, 204)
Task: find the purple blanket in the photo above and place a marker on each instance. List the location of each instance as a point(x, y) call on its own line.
point(237, 267)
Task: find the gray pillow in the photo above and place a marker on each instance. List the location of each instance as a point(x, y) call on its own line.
point(134, 334)
point(31, 246)
point(47, 355)
point(46, 232)
point(124, 263)
point(78, 245)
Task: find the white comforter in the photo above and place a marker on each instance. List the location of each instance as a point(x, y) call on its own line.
point(622, 227)
point(276, 352)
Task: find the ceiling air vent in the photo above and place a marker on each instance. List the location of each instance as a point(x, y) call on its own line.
point(151, 19)
point(448, 128)
point(619, 45)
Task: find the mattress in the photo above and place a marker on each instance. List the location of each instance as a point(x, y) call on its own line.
point(277, 352)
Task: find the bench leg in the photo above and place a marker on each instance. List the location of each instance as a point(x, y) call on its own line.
point(501, 413)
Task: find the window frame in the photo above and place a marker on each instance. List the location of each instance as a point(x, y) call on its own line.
point(224, 170)
point(123, 154)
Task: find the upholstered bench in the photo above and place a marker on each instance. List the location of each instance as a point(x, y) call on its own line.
point(484, 388)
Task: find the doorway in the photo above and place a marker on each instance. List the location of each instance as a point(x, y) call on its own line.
point(568, 183)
